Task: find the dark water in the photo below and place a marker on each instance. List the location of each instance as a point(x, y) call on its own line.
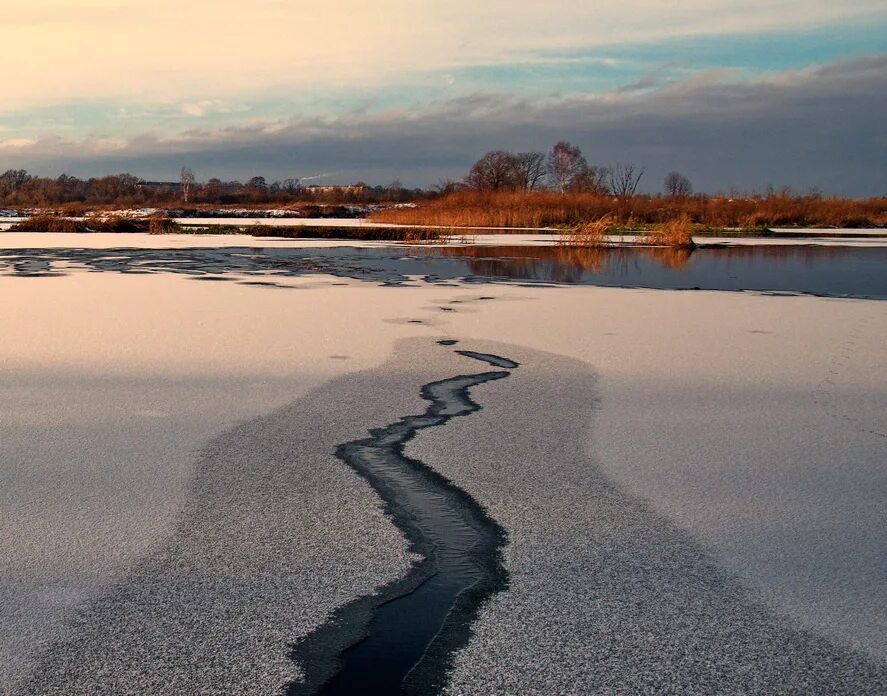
point(494, 360)
point(829, 271)
point(413, 629)
point(818, 270)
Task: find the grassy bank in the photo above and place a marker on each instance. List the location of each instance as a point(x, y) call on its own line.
point(548, 209)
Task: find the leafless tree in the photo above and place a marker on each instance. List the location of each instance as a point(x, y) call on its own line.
point(121, 188)
point(13, 179)
point(444, 187)
point(565, 163)
point(623, 179)
point(290, 186)
point(529, 170)
point(591, 180)
point(187, 178)
point(495, 171)
point(677, 185)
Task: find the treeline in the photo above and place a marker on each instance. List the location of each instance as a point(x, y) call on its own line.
point(563, 169)
point(561, 188)
point(501, 189)
point(18, 188)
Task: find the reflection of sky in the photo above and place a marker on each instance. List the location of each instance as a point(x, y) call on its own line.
point(613, 68)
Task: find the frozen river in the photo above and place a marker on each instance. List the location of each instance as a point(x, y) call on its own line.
point(690, 482)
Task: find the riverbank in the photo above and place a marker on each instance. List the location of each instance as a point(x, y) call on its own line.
point(361, 229)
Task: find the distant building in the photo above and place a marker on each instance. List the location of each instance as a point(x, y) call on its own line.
point(351, 190)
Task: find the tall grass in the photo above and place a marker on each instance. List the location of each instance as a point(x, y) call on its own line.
point(588, 234)
point(547, 209)
point(503, 209)
point(156, 224)
point(48, 223)
point(677, 233)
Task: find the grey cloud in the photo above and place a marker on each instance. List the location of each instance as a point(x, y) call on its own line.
point(821, 127)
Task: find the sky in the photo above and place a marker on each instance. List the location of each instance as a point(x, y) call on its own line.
point(735, 95)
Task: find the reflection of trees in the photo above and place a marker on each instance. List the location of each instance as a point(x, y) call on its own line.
point(566, 264)
point(671, 257)
point(824, 270)
point(560, 264)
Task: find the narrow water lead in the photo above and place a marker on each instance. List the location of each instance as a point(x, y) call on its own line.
point(494, 360)
point(415, 625)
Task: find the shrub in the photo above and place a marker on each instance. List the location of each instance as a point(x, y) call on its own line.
point(158, 224)
point(48, 223)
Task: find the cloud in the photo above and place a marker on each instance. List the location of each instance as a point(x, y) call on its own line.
point(222, 49)
point(811, 127)
point(17, 143)
point(196, 109)
point(204, 107)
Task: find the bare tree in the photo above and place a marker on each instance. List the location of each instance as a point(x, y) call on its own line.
point(623, 179)
point(213, 190)
point(591, 180)
point(677, 185)
point(395, 191)
point(495, 171)
point(290, 186)
point(529, 170)
point(444, 187)
point(187, 178)
point(13, 179)
point(565, 163)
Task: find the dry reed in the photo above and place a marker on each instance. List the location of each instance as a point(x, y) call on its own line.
point(535, 209)
point(677, 233)
point(588, 234)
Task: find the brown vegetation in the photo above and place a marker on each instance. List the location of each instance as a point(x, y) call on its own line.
point(48, 223)
point(157, 224)
point(113, 223)
point(589, 234)
point(496, 209)
point(535, 209)
point(378, 234)
point(676, 233)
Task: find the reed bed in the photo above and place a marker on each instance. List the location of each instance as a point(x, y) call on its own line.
point(154, 224)
point(593, 233)
point(677, 233)
point(158, 224)
point(537, 209)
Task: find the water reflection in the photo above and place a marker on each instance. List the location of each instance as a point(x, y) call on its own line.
point(600, 259)
point(820, 270)
point(839, 271)
point(559, 264)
